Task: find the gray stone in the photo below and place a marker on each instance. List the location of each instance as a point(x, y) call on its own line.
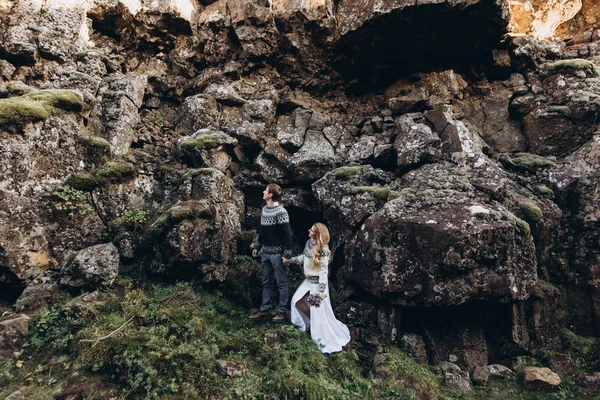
point(93, 267)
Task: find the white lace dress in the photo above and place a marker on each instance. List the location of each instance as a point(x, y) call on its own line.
point(325, 330)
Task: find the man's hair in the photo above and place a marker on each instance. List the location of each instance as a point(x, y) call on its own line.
point(275, 190)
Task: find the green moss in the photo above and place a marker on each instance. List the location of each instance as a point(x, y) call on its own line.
point(528, 162)
point(95, 143)
point(65, 99)
point(531, 212)
point(521, 225)
point(347, 172)
point(564, 110)
point(207, 141)
point(36, 106)
point(577, 64)
point(17, 111)
point(116, 171)
point(85, 181)
point(175, 215)
point(378, 192)
point(545, 190)
point(201, 171)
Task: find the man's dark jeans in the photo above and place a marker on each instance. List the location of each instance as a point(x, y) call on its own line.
point(272, 264)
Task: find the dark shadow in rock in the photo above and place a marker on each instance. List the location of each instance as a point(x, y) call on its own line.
point(470, 334)
point(301, 220)
point(419, 38)
point(11, 286)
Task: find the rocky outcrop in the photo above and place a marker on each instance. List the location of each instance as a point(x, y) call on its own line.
point(477, 252)
point(456, 171)
point(198, 236)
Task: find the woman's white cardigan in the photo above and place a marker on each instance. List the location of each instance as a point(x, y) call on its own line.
point(310, 272)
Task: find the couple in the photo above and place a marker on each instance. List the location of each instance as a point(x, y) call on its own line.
point(275, 244)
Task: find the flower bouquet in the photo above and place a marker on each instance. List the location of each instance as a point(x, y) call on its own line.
point(315, 299)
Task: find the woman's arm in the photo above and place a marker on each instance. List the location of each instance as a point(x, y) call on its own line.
point(323, 272)
point(298, 259)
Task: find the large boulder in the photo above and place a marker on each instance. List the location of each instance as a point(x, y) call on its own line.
point(441, 246)
point(198, 237)
point(94, 267)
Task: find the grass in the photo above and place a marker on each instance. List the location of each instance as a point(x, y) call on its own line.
point(159, 341)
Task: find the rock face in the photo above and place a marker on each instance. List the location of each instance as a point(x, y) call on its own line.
point(456, 171)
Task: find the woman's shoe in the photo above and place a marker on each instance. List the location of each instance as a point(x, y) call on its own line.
point(280, 318)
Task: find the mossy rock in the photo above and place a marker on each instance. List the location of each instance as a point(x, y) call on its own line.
point(67, 100)
point(531, 212)
point(564, 110)
point(183, 211)
point(347, 172)
point(544, 191)
point(95, 143)
point(207, 141)
point(85, 182)
point(18, 111)
point(116, 171)
point(577, 64)
point(378, 192)
point(35, 106)
point(527, 162)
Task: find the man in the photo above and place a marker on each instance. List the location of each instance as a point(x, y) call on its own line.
point(275, 245)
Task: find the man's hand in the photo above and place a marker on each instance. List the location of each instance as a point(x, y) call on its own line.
point(286, 261)
point(254, 253)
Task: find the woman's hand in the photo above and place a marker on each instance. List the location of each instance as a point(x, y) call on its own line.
point(322, 296)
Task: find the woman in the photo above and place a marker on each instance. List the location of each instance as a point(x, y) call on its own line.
point(325, 330)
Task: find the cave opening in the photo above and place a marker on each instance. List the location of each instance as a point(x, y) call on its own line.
point(11, 287)
point(421, 38)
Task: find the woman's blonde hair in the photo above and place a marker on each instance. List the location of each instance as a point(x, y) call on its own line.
point(321, 244)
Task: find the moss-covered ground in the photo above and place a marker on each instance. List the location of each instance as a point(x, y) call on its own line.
point(160, 341)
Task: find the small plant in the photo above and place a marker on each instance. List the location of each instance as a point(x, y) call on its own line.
point(157, 120)
point(136, 216)
point(70, 200)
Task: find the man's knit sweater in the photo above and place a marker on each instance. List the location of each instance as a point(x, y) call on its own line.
point(275, 235)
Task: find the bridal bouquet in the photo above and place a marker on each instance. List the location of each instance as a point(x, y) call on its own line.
point(314, 300)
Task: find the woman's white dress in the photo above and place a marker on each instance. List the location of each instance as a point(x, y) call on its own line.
point(325, 330)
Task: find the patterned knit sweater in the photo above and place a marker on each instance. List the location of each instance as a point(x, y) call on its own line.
point(314, 274)
point(275, 236)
